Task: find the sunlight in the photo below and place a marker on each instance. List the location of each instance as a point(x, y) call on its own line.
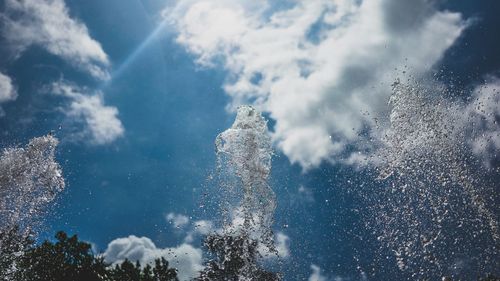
point(135, 54)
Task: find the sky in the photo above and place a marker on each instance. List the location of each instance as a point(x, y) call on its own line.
point(137, 91)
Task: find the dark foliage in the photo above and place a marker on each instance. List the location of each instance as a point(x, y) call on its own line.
point(68, 259)
point(161, 272)
point(127, 271)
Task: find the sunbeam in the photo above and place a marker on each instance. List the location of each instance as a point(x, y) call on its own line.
point(135, 54)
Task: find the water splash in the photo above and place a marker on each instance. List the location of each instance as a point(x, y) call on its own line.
point(30, 178)
point(432, 209)
point(244, 158)
point(244, 164)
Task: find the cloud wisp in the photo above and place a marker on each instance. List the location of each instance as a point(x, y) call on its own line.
point(317, 67)
point(177, 220)
point(316, 274)
point(47, 24)
point(101, 121)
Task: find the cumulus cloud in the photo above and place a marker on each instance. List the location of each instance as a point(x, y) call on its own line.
point(8, 91)
point(47, 23)
point(101, 121)
point(185, 258)
point(319, 66)
point(177, 220)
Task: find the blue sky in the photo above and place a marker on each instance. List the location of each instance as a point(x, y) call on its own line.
point(137, 108)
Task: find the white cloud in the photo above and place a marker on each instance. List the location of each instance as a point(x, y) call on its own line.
point(485, 112)
point(178, 220)
point(8, 91)
point(318, 66)
point(316, 274)
point(102, 122)
point(47, 23)
point(185, 258)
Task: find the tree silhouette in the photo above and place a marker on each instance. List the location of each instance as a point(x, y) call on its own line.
point(162, 272)
point(67, 259)
point(127, 271)
point(235, 258)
